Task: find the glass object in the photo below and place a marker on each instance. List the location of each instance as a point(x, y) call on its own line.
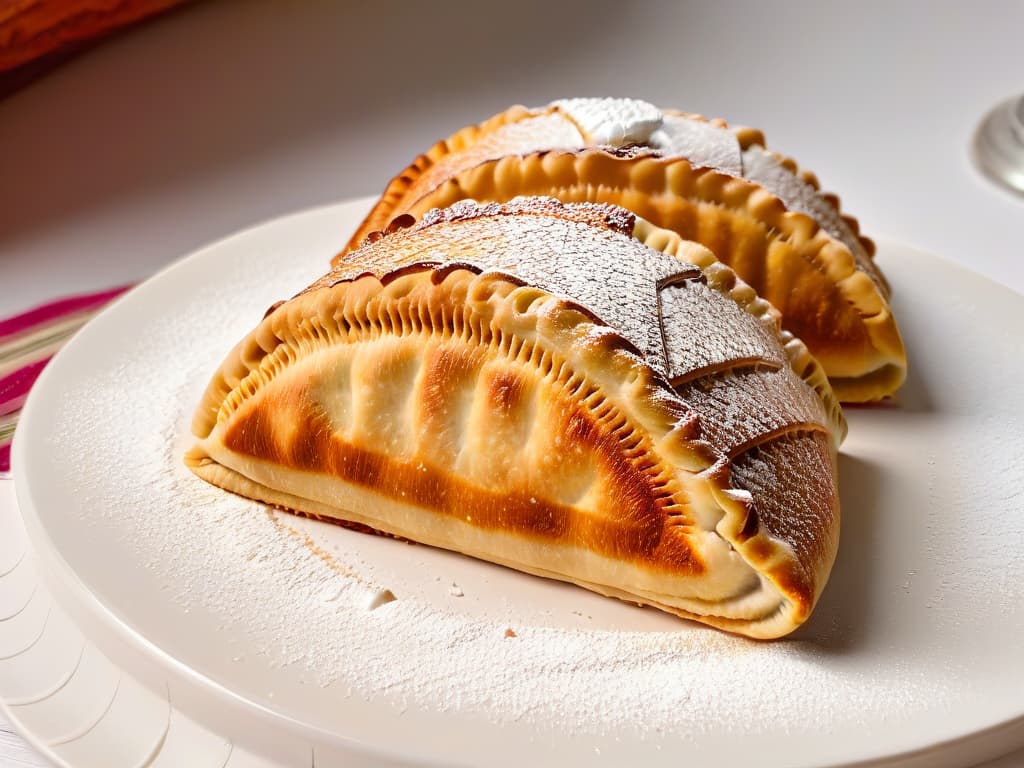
point(999, 144)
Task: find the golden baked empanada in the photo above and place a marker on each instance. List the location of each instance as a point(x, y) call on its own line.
point(504, 381)
point(701, 179)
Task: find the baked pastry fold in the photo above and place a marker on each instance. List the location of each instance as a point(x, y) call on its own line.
point(754, 209)
point(529, 384)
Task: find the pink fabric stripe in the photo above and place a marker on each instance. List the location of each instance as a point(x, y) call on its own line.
point(54, 310)
point(14, 387)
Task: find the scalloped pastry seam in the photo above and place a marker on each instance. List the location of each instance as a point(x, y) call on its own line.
point(811, 178)
point(748, 137)
point(715, 477)
point(802, 233)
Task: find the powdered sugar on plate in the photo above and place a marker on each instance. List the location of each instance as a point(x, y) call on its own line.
point(294, 612)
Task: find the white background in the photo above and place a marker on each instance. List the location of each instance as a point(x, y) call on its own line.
point(223, 114)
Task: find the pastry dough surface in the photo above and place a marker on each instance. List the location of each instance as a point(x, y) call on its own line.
point(456, 383)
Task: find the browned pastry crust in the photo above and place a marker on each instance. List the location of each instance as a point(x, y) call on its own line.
point(765, 218)
point(456, 383)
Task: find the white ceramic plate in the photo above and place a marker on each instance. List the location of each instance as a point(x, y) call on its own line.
point(264, 627)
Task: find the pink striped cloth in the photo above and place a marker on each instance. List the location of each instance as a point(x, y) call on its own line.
point(27, 342)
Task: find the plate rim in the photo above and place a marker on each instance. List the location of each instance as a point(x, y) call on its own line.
point(72, 594)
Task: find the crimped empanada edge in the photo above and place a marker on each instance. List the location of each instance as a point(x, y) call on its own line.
point(884, 369)
point(748, 137)
point(651, 403)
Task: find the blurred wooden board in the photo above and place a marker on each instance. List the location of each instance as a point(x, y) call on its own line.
point(37, 35)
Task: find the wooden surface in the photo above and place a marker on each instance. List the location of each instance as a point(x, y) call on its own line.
point(39, 35)
point(30, 29)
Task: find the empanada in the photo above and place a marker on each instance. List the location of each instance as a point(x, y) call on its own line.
point(529, 384)
point(716, 185)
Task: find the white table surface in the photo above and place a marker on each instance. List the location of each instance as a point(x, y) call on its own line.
point(223, 114)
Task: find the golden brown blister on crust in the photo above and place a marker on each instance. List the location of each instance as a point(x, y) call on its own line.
point(796, 248)
point(473, 411)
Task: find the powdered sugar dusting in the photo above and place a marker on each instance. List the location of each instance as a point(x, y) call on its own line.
point(616, 122)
